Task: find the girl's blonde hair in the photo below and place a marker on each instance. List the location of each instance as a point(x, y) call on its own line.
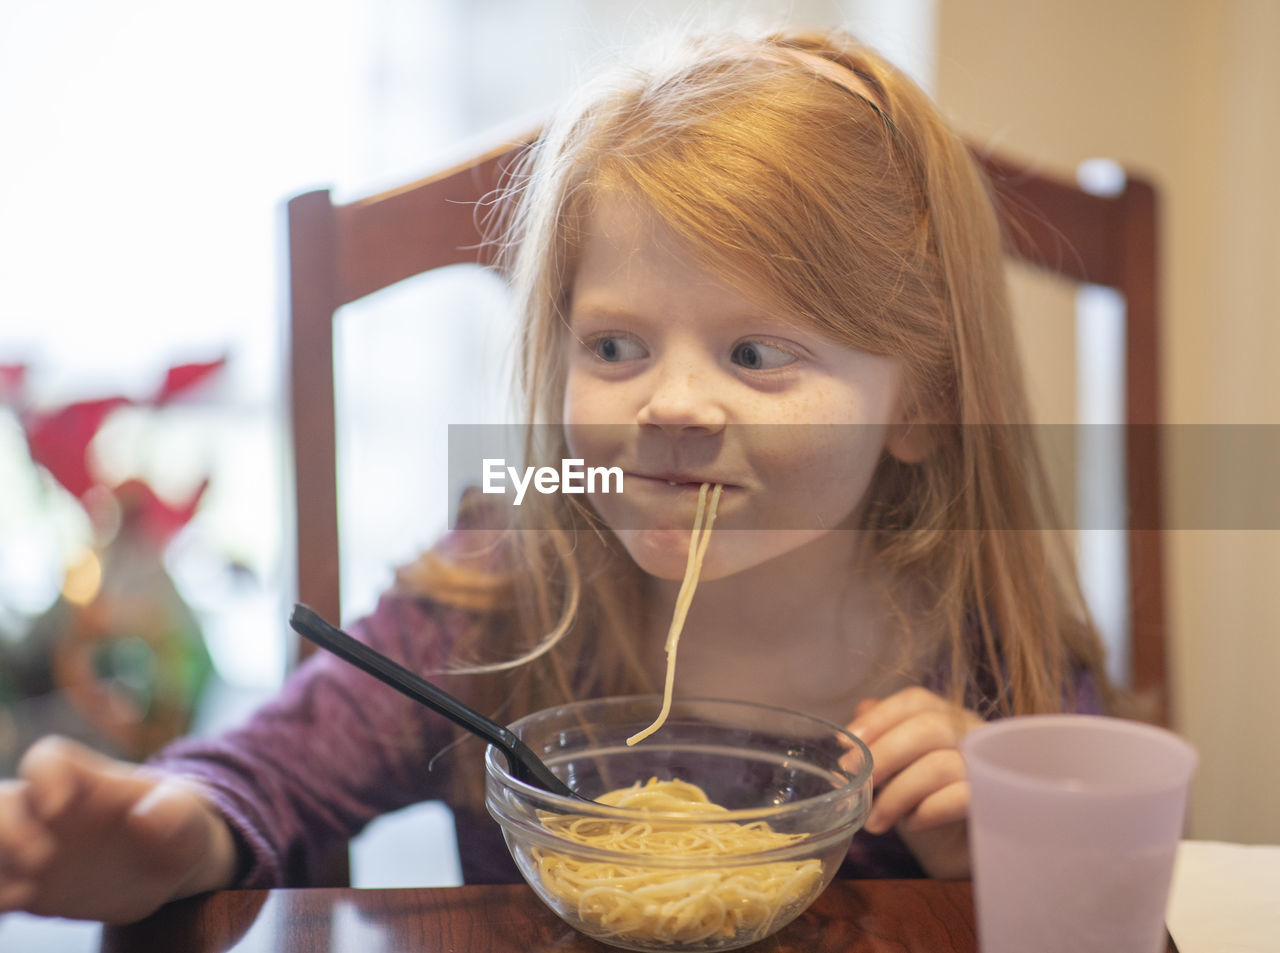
point(854, 206)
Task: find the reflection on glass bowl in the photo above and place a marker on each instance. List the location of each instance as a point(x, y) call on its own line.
point(652, 867)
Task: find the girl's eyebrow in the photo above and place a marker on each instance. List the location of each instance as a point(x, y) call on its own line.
point(607, 311)
point(601, 311)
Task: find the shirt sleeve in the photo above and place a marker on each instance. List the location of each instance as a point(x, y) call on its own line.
point(332, 751)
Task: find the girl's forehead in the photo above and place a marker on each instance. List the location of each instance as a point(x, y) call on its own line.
point(624, 239)
point(619, 228)
point(630, 259)
point(624, 224)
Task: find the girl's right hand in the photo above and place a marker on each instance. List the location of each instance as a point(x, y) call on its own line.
point(84, 836)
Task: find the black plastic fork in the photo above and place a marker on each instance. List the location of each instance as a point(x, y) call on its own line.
point(523, 764)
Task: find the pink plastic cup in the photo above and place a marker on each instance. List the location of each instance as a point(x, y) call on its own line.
point(1073, 827)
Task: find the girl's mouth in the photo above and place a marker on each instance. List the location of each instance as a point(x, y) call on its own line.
point(679, 480)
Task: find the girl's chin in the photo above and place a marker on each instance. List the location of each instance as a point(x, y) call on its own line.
point(663, 553)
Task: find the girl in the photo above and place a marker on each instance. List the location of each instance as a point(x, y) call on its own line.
point(765, 264)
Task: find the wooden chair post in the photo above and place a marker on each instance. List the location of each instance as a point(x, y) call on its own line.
point(313, 290)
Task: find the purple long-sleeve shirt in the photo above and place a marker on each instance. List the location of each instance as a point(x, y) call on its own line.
point(336, 749)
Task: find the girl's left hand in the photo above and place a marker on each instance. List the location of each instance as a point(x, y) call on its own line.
point(919, 778)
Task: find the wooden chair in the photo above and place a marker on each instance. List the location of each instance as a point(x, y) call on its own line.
point(1113, 241)
point(338, 254)
point(341, 253)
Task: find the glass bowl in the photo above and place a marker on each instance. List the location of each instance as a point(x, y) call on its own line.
point(791, 792)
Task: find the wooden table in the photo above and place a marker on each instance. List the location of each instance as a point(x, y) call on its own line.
point(870, 916)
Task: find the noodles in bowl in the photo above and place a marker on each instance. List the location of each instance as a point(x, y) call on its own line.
point(678, 905)
point(714, 834)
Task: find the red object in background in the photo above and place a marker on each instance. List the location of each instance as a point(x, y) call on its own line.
point(12, 378)
point(59, 440)
point(157, 520)
point(183, 377)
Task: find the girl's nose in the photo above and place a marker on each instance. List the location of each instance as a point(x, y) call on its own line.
point(682, 399)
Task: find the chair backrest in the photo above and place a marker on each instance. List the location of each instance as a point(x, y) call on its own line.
point(1111, 240)
point(340, 253)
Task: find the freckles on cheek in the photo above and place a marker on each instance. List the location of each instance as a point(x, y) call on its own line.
point(824, 406)
point(821, 407)
point(801, 409)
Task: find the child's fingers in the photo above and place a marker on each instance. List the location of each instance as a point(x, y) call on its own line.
point(873, 720)
point(947, 806)
point(13, 812)
point(862, 708)
point(25, 843)
point(26, 847)
point(62, 774)
point(907, 742)
point(52, 768)
point(13, 820)
point(910, 790)
point(921, 784)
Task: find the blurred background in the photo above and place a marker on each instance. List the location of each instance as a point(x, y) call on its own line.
point(148, 150)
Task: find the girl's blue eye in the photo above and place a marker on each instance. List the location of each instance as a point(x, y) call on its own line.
point(758, 356)
point(616, 348)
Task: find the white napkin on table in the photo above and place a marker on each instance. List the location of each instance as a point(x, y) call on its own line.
point(1225, 898)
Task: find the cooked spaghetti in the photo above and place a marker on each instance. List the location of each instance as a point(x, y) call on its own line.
point(682, 906)
point(698, 543)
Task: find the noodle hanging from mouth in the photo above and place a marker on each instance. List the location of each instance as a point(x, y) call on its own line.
point(668, 905)
point(686, 905)
point(698, 543)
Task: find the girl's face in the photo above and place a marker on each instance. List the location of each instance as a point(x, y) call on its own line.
point(678, 378)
